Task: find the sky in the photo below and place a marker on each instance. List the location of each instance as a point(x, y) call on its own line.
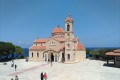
point(96, 22)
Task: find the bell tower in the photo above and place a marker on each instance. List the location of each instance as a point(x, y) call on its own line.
point(69, 36)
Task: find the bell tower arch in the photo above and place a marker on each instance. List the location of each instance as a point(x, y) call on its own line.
point(69, 27)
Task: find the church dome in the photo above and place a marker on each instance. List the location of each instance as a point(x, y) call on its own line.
point(69, 19)
point(58, 30)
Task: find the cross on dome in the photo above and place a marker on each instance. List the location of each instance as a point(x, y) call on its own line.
point(58, 29)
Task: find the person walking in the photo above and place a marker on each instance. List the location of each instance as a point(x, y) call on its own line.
point(45, 76)
point(51, 62)
point(16, 78)
point(15, 67)
point(12, 64)
point(41, 76)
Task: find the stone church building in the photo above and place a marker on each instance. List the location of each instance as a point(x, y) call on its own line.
point(62, 46)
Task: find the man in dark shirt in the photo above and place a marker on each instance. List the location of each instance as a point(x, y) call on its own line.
point(41, 76)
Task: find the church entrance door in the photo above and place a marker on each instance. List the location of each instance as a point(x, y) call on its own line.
point(50, 56)
point(63, 57)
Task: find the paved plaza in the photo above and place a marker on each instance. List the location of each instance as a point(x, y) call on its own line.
point(87, 70)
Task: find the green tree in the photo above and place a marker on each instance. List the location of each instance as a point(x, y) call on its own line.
point(100, 53)
point(6, 48)
point(87, 51)
point(18, 50)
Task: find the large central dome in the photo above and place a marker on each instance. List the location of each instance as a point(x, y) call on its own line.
point(58, 29)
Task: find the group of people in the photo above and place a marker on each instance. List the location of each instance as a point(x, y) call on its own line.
point(12, 65)
point(43, 76)
point(16, 78)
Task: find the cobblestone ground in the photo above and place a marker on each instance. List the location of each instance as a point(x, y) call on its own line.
point(87, 70)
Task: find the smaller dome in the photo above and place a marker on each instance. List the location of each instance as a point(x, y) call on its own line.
point(58, 30)
point(69, 19)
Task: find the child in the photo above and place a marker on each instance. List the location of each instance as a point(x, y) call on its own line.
point(45, 76)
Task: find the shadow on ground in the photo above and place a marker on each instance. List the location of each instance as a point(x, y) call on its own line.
point(110, 65)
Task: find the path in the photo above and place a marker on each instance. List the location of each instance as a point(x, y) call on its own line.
point(25, 70)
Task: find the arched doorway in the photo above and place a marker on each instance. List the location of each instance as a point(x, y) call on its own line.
point(68, 56)
point(50, 56)
point(63, 57)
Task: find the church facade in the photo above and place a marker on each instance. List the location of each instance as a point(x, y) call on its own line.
point(62, 46)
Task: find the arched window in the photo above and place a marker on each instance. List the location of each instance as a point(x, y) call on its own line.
point(32, 54)
point(37, 54)
point(68, 56)
point(68, 35)
point(68, 45)
point(52, 43)
point(68, 27)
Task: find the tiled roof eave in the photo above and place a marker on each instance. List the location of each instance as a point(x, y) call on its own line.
point(57, 32)
point(80, 49)
point(112, 54)
point(39, 42)
point(36, 49)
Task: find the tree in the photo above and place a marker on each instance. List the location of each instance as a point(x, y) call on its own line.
point(88, 55)
point(18, 50)
point(6, 48)
point(100, 52)
point(88, 51)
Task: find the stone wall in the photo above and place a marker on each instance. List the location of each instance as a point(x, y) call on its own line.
point(80, 56)
point(37, 55)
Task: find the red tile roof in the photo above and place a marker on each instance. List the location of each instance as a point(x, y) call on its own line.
point(38, 48)
point(58, 30)
point(80, 47)
point(61, 47)
point(117, 51)
point(112, 54)
point(40, 40)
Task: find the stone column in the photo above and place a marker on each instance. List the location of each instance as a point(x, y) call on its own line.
point(47, 57)
point(114, 61)
point(54, 57)
point(107, 60)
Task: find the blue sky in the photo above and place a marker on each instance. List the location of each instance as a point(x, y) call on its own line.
point(96, 22)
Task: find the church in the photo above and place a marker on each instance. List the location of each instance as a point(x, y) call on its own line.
point(61, 46)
